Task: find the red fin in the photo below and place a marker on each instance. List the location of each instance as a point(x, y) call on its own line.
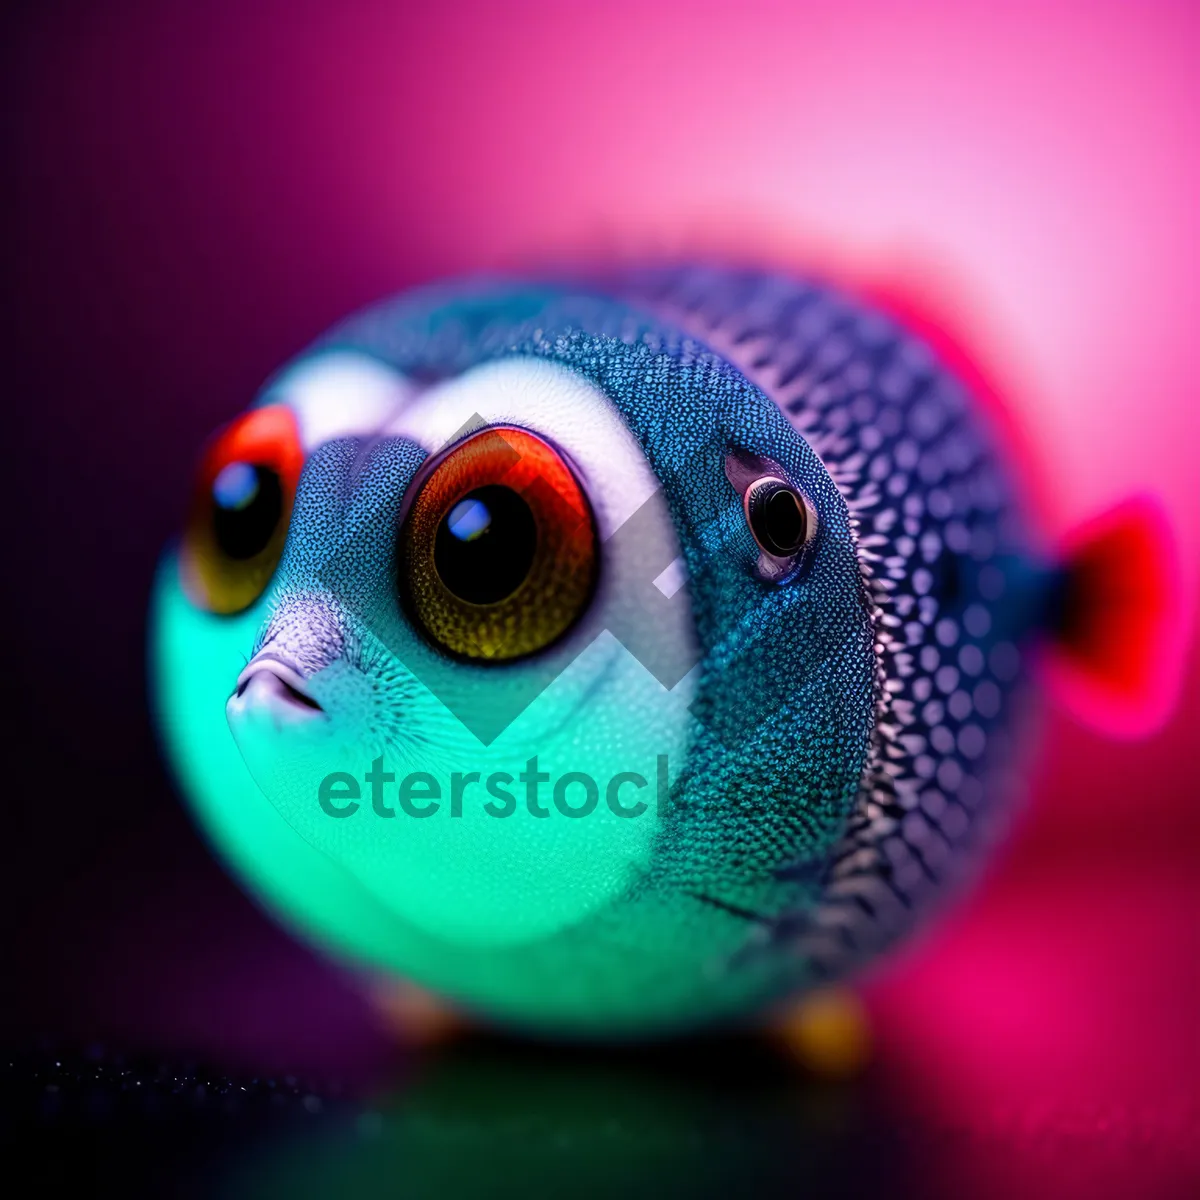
point(1118, 653)
point(929, 303)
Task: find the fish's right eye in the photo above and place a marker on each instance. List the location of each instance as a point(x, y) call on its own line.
point(498, 554)
point(241, 509)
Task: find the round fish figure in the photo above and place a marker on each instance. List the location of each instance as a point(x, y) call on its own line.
point(623, 657)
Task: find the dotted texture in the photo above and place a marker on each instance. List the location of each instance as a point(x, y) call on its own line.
point(956, 593)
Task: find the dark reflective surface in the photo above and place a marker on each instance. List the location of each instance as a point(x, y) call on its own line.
point(479, 1117)
point(703, 1119)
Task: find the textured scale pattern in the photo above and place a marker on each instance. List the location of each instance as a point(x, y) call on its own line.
point(940, 540)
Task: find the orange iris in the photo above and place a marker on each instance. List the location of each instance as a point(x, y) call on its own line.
point(241, 509)
point(497, 556)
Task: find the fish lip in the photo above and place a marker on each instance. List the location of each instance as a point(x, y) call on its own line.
point(291, 684)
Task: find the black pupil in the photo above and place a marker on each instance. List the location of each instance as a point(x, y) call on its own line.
point(781, 522)
point(485, 545)
point(247, 505)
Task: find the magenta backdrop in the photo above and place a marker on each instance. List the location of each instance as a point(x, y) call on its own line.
point(199, 188)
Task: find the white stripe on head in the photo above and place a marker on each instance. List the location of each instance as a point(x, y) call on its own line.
point(550, 400)
point(338, 393)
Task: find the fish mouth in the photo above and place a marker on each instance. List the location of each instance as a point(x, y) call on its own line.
point(272, 683)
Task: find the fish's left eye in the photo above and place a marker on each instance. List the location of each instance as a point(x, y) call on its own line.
point(241, 508)
point(778, 516)
point(497, 554)
point(781, 518)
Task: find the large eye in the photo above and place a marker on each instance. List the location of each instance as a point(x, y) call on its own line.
point(497, 556)
point(241, 509)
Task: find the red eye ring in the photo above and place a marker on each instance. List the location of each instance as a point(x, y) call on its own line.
point(498, 551)
point(241, 509)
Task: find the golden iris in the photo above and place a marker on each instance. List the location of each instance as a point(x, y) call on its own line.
point(241, 508)
point(497, 555)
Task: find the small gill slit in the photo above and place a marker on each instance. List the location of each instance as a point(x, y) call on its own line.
point(745, 914)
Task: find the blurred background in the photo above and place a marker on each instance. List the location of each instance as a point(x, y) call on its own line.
point(195, 190)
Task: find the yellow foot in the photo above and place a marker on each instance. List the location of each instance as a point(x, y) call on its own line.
point(413, 1014)
point(827, 1031)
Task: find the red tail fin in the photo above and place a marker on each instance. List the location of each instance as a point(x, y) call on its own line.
point(1118, 654)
